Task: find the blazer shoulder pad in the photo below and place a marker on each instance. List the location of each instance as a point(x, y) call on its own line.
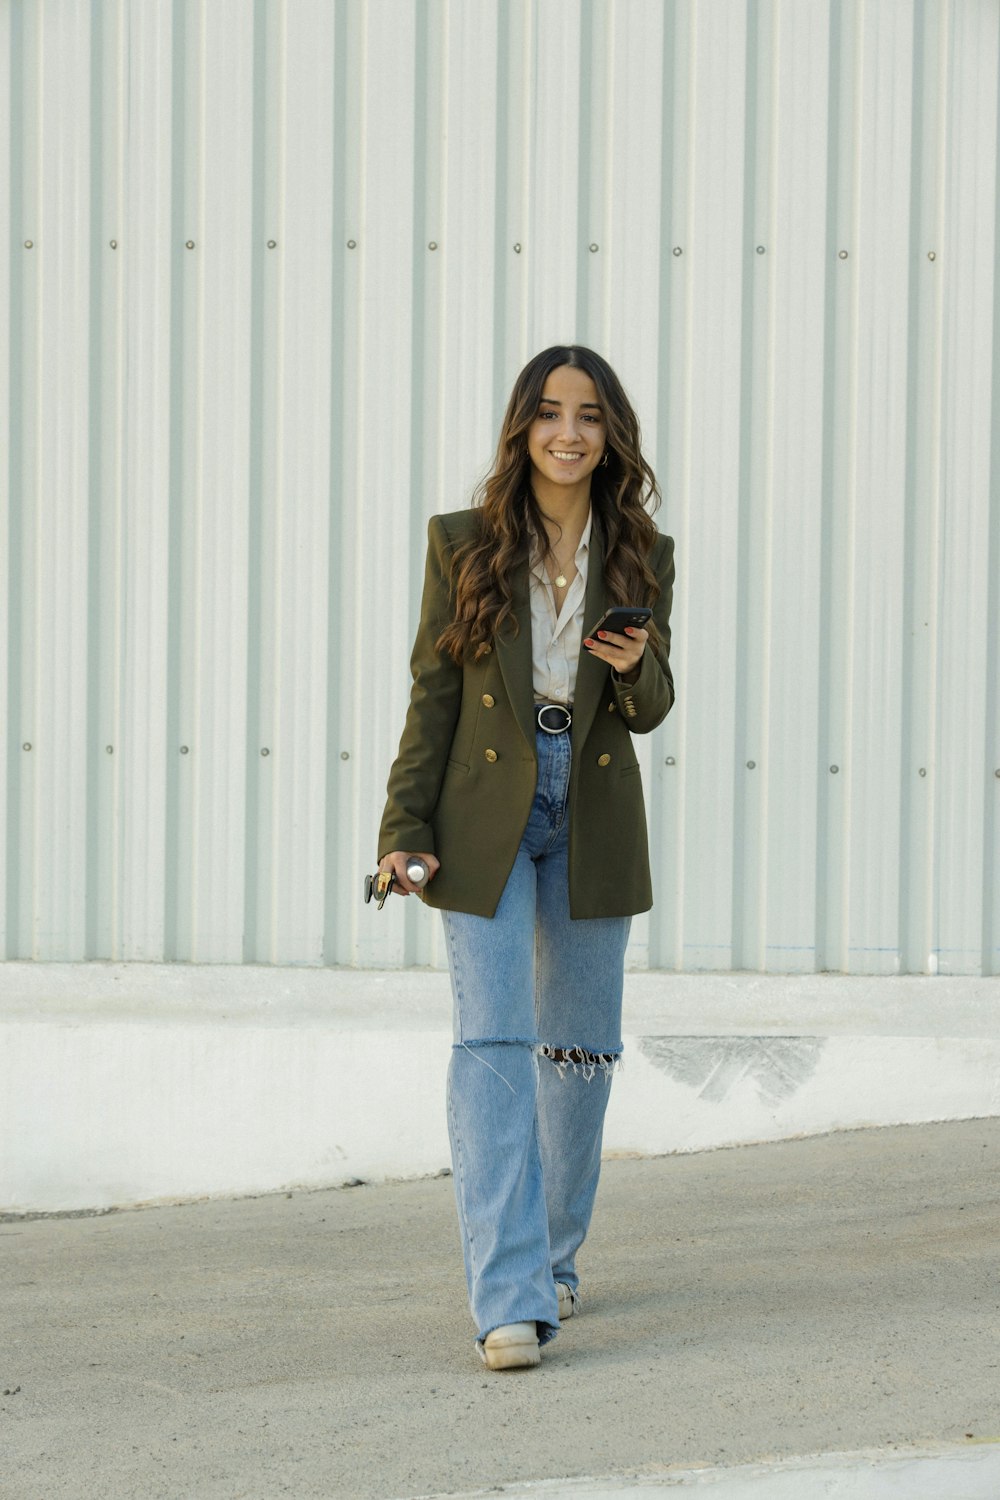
point(456, 525)
point(663, 549)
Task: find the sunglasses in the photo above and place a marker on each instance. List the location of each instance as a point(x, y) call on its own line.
point(379, 885)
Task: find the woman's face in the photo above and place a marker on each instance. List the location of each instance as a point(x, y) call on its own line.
point(566, 440)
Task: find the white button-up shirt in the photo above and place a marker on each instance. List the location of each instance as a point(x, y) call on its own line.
point(556, 636)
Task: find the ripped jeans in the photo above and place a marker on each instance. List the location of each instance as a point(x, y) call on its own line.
point(537, 1008)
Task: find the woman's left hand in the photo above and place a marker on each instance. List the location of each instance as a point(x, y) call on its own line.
point(623, 652)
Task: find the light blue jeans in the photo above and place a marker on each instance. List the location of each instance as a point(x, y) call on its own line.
point(537, 1017)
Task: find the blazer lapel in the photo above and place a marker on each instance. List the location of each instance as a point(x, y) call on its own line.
point(591, 673)
point(514, 657)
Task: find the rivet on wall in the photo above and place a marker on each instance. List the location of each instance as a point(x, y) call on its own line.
point(931, 255)
point(432, 244)
point(265, 751)
point(922, 771)
point(27, 746)
point(670, 761)
point(184, 750)
point(345, 755)
point(109, 749)
point(271, 244)
point(517, 247)
point(352, 244)
point(842, 254)
point(997, 772)
point(760, 249)
point(189, 244)
point(114, 244)
point(594, 249)
point(678, 250)
point(751, 765)
point(834, 770)
point(29, 244)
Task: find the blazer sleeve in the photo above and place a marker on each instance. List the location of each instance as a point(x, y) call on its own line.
point(646, 702)
point(435, 697)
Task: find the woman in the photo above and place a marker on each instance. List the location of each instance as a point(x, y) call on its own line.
point(517, 783)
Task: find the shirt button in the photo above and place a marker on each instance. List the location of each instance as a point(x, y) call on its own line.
point(604, 760)
point(488, 700)
point(491, 755)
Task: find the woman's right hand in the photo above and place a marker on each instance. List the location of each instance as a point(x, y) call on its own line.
point(396, 862)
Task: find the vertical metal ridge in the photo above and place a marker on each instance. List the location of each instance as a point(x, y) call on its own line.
point(176, 763)
point(991, 748)
point(9, 197)
point(422, 266)
point(148, 254)
point(666, 815)
point(828, 948)
point(16, 312)
point(97, 897)
point(919, 660)
point(503, 239)
point(746, 885)
point(338, 946)
point(581, 333)
point(254, 950)
point(418, 352)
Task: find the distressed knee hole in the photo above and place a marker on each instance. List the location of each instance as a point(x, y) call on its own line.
point(587, 1064)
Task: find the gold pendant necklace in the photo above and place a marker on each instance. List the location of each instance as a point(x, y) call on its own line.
point(561, 581)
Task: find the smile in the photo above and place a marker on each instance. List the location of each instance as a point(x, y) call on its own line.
point(565, 457)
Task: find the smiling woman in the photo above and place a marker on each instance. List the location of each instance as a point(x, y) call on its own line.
point(619, 482)
point(523, 798)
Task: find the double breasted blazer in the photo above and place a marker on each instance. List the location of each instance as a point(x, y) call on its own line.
point(463, 781)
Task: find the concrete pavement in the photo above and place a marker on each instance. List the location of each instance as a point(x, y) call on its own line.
point(833, 1295)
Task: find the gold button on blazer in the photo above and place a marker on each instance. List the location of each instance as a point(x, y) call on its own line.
point(463, 780)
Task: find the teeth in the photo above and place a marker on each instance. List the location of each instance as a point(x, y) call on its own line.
point(556, 454)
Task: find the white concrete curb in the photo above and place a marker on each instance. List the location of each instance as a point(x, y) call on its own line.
point(903, 1474)
point(125, 1084)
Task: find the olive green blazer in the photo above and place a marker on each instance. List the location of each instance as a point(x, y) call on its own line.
point(463, 781)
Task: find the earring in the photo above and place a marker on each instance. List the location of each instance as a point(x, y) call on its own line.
point(604, 460)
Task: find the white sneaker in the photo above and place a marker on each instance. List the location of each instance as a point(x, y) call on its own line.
point(514, 1346)
point(570, 1302)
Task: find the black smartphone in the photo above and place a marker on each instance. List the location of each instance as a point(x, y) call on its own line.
point(616, 619)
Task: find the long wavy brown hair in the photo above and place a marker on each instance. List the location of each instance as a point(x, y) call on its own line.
point(623, 495)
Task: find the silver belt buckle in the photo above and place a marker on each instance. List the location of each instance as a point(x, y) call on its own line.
point(553, 708)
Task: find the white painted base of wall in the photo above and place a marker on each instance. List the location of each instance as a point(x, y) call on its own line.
point(129, 1083)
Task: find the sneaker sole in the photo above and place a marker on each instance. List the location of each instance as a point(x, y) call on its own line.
point(519, 1356)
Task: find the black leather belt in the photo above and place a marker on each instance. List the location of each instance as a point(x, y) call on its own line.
point(558, 715)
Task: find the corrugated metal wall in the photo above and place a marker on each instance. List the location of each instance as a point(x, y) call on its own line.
point(270, 267)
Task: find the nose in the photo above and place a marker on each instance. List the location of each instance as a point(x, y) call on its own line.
point(570, 426)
